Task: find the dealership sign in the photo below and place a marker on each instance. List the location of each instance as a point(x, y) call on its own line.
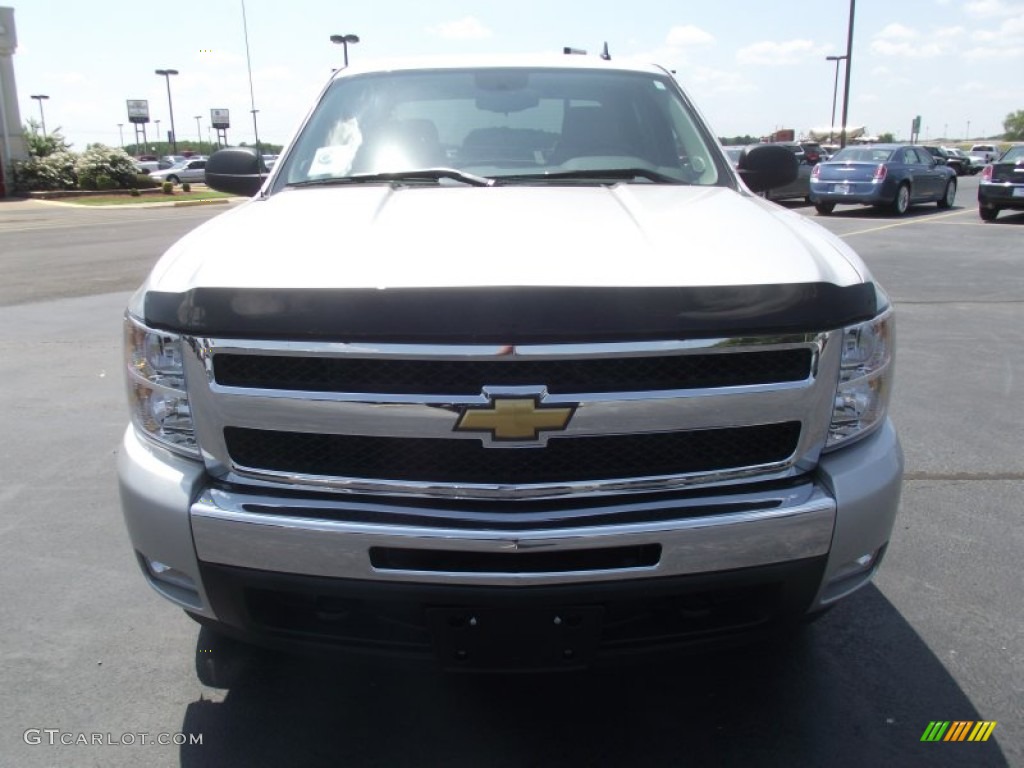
point(219, 118)
point(138, 111)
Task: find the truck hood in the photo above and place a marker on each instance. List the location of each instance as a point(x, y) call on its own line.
point(381, 237)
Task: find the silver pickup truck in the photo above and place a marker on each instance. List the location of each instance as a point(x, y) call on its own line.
point(505, 365)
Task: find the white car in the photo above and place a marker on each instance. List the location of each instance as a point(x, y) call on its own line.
point(192, 170)
point(505, 366)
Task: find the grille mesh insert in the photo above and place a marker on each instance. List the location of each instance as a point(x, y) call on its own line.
point(467, 461)
point(468, 377)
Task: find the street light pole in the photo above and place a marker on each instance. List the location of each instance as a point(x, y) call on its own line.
point(40, 97)
point(344, 40)
point(849, 66)
point(199, 132)
point(835, 90)
point(166, 74)
point(157, 129)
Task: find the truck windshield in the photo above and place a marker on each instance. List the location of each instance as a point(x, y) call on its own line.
point(539, 125)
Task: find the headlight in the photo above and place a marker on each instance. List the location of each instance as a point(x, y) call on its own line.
point(157, 397)
point(865, 380)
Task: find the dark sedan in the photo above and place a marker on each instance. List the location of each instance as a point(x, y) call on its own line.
point(894, 176)
point(1002, 184)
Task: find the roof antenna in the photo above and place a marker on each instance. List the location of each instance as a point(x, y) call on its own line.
point(568, 51)
point(604, 54)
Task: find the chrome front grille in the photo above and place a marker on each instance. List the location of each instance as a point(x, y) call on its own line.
point(382, 419)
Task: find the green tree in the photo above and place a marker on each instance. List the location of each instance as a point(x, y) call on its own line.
point(40, 145)
point(1013, 126)
point(886, 138)
point(728, 141)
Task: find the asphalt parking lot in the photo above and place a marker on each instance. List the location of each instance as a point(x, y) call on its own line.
point(88, 649)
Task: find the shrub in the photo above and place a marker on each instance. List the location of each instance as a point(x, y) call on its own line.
point(104, 182)
point(99, 160)
point(136, 193)
point(168, 188)
point(54, 171)
point(186, 187)
point(144, 181)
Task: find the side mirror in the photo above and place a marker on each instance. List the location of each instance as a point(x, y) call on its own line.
point(236, 170)
point(767, 166)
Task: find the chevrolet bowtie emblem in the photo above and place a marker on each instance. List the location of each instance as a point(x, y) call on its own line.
point(514, 418)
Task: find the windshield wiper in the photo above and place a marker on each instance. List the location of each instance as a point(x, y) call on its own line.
point(420, 174)
point(627, 174)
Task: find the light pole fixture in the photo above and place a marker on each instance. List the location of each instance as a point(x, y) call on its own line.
point(120, 130)
point(344, 40)
point(40, 97)
point(166, 74)
point(157, 129)
point(835, 90)
point(199, 132)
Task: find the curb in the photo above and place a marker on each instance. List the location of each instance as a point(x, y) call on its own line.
point(212, 201)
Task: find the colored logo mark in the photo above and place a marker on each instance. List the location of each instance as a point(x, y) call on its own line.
point(958, 730)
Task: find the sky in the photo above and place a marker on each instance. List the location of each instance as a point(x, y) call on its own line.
point(752, 68)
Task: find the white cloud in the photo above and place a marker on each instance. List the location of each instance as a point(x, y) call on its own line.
point(896, 32)
point(907, 50)
point(688, 35)
point(770, 53)
point(718, 81)
point(1002, 43)
point(987, 9)
point(468, 28)
point(995, 53)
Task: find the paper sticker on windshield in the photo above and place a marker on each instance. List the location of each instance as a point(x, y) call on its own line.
point(331, 161)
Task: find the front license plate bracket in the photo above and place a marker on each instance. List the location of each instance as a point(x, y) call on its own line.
point(553, 637)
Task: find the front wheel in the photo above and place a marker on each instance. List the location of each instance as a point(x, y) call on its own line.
point(988, 214)
point(824, 208)
point(946, 201)
point(901, 202)
point(173, 179)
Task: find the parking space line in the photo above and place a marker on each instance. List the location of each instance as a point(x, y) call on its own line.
point(905, 223)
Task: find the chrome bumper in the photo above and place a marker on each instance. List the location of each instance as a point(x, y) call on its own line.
point(278, 540)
